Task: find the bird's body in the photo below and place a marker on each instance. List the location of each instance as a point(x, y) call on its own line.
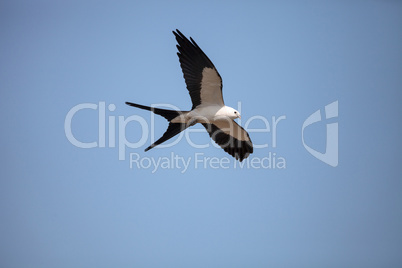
point(205, 88)
point(207, 114)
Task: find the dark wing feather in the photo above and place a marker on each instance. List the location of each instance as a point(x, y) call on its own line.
point(231, 137)
point(202, 79)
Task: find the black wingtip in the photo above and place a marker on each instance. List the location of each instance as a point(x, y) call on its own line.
point(179, 34)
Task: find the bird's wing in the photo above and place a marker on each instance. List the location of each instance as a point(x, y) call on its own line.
point(231, 137)
point(202, 79)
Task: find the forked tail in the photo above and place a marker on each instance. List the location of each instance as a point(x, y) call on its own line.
point(173, 128)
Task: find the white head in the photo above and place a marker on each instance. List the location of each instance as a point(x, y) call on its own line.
point(232, 113)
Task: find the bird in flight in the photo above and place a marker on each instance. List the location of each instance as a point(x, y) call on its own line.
point(205, 87)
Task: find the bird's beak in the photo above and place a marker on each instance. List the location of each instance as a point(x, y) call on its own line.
point(239, 116)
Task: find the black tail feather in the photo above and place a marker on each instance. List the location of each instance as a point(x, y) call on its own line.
point(173, 128)
point(168, 114)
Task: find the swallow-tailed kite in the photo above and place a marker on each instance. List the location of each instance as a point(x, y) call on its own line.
point(205, 87)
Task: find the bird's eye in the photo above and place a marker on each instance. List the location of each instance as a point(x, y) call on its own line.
point(235, 112)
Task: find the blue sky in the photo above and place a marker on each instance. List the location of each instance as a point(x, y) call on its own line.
point(64, 206)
